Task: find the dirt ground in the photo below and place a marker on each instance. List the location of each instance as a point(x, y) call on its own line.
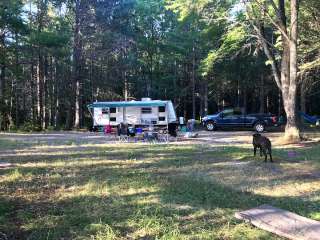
point(54, 138)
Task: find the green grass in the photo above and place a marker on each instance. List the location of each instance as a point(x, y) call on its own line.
point(134, 191)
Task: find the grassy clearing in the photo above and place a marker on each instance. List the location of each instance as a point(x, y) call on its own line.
point(135, 191)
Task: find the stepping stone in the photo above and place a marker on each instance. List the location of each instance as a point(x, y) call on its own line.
point(282, 222)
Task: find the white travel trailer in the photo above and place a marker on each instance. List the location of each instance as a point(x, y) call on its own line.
point(138, 113)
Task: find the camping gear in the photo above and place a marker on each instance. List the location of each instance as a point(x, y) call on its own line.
point(139, 134)
point(172, 129)
point(181, 120)
point(122, 130)
point(191, 135)
point(107, 129)
point(190, 125)
point(282, 222)
point(183, 129)
point(131, 131)
point(151, 136)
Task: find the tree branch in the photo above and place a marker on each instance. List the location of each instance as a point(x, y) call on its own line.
point(268, 53)
point(280, 25)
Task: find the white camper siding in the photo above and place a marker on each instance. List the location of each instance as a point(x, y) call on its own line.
point(100, 119)
point(171, 112)
point(148, 118)
point(119, 116)
point(132, 115)
point(163, 115)
point(137, 115)
point(113, 117)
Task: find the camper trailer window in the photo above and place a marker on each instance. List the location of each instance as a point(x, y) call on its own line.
point(105, 110)
point(113, 119)
point(162, 109)
point(162, 118)
point(146, 110)
point(113, 110)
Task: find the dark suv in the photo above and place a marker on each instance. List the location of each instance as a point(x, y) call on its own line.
point(234, 118)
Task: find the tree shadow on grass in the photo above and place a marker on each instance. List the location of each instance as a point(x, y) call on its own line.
point(189, 205)
point(183, 203)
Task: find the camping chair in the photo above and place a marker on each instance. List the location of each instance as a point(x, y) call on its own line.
point(122, 130)
point(139, 134)
point(162, 136)
point(151, 137)
point(107, 129)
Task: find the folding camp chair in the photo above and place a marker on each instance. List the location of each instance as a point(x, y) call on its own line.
point(162, 136)
point(107, 129)
point(139, 134)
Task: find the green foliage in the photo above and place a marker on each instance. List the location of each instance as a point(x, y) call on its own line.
point(10, 16)
point(49, 39)
point(29, 127)
point(232, 42)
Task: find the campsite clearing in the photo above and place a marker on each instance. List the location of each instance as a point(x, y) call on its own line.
point(79, 186)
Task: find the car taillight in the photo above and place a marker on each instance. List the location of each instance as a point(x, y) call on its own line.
point(274, 119)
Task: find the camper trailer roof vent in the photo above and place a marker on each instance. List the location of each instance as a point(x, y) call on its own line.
point(146, 99)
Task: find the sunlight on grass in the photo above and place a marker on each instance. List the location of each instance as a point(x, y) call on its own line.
point(102, 232)
point(12, 176)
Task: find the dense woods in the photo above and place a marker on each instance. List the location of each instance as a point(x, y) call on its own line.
point(57, 56)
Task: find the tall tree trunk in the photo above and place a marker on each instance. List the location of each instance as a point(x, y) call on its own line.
point(42, 11)
point(261, 95)
point(77, 62)
point(70, 103)
point(303, 93)
point(40, 77)
point(16, 87)
point(2, 80)
point(56, 120)
point(3, 122)
point(2, 65)
point(205, 97)
point(33, 92)
point(175, 80)
point(238, 87)
point(45, 94)
point(245, 99)
point(193, 83)
point(292, 131)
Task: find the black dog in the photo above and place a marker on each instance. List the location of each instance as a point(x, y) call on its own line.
point(264, 144)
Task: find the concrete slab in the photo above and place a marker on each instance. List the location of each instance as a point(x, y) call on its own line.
point(282, 222)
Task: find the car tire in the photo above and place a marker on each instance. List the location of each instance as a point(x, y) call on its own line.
point(210, 126)
point(259, 127)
